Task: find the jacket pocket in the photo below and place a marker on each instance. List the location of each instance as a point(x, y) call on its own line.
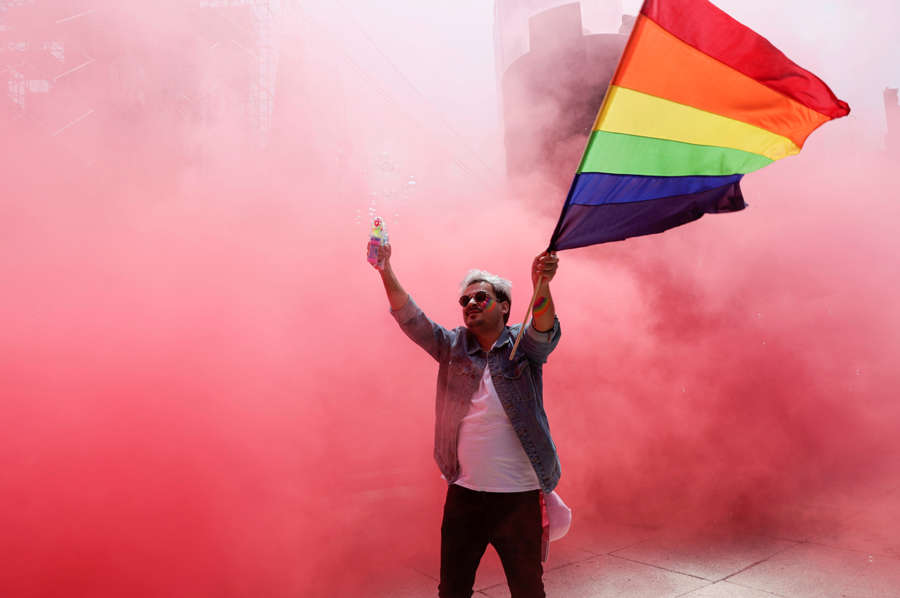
point(464, 369)
point(513, 370)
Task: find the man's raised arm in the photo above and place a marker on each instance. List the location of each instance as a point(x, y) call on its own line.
point(432, 337)
point(397, 297)
point(542, 334)
point(543, 268)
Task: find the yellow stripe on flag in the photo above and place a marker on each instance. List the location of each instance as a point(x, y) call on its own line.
point(635, 113)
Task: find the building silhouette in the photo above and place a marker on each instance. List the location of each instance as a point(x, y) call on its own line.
point(892, 115)
point(552, 91)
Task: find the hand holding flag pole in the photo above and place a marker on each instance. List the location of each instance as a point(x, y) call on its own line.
point(543, 270)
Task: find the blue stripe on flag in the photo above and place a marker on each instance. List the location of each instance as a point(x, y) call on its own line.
point(585, 223)
point(595, 188)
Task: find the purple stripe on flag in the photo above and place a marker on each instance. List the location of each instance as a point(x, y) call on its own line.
point(582, 225)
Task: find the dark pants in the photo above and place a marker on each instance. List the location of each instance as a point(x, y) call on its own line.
point(510, 522)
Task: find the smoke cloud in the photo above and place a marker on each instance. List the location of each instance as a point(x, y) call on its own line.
point(204, 393)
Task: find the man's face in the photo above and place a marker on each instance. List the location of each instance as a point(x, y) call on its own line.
point(484, 315)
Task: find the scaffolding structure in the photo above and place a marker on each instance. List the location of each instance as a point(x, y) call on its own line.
point(44, 56)
point(19, 57)
point(45, 50)
point(267, 16)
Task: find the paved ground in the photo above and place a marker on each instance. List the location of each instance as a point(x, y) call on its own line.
point(844, 546)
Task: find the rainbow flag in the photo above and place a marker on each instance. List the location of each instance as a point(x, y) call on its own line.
point(697, 101)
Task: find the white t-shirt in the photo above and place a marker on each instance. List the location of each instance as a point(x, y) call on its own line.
point(491, 457)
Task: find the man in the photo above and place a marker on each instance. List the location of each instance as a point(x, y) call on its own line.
point(492, 441)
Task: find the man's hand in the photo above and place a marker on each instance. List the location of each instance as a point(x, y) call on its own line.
point(382, 260)
point(544, 266)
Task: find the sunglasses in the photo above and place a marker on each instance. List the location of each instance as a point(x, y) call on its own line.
point(478, 296)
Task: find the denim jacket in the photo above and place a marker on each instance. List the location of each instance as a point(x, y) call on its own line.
point(518, 383)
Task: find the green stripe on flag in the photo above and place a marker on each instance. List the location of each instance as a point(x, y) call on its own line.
point(617, 153)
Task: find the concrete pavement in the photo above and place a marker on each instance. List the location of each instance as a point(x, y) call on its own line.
point(845, 545)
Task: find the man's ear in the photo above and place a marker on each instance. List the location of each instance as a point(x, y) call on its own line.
point(505, 309)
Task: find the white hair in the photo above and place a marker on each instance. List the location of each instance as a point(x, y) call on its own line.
point(500, 285)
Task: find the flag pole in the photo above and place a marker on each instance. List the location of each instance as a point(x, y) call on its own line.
point(527, 314)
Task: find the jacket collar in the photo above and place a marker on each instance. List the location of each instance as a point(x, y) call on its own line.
point(472, 346)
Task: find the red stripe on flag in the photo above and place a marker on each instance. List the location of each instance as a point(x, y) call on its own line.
point(705, 27)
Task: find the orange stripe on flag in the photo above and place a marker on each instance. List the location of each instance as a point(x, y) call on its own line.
point(658, 63)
